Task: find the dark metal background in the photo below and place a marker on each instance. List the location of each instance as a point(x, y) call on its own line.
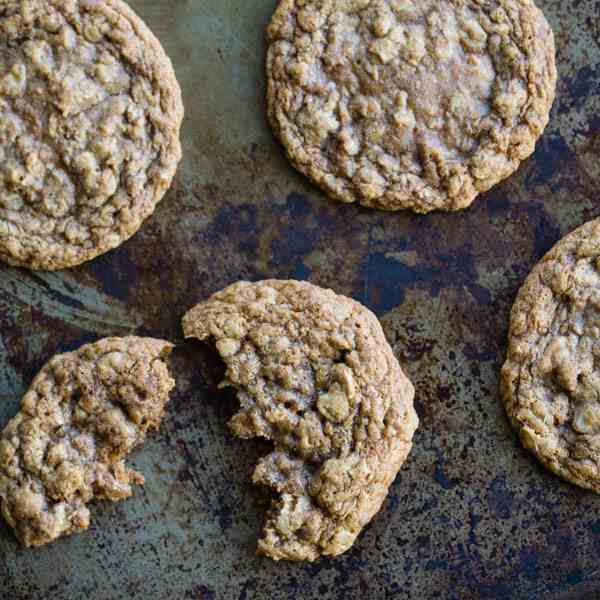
point(471, 516)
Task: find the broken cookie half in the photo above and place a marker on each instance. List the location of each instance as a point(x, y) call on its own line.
point(314, 374)
point(83, 414)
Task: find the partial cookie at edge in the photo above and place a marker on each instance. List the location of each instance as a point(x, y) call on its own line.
point(550, 381)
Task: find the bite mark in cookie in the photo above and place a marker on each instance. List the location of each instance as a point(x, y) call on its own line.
point(83, 414)
point(314, 374)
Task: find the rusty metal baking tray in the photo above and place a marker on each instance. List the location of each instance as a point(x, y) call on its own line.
point(471, 515)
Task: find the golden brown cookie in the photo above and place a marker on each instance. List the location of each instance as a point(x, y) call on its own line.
point(551, 378)
point(409, 104)
point(90, 113)
point(314, 374)
point(83, 414)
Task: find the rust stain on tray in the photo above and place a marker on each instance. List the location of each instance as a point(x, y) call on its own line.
point(471, 515)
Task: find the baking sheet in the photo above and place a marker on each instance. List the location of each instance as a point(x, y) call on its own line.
point(471, 515)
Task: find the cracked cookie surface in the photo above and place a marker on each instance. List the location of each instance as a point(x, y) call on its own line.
point(314, 374)
point(406, 104)
point(82, 415)
point(551, 381)
point(90, 113)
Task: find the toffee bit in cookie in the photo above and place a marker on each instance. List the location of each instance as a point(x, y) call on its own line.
point(90, 113)
point(316, 376)
point(550, 381)
point(83, 414)
point(413, 104)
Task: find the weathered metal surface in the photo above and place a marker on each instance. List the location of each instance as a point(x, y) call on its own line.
point(472, 515)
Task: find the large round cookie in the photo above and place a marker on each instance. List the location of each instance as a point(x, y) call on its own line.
point(315, 375)
point(83, 414)
point(90, 113)
point(551, 378)
point(417, 104)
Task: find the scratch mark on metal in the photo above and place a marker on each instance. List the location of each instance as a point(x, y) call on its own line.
point(62, 297)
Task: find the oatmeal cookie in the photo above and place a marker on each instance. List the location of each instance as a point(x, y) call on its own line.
point(551, 378)
point(314, 374)
point(409, 104)
point(83, 414)
point(90, 113)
